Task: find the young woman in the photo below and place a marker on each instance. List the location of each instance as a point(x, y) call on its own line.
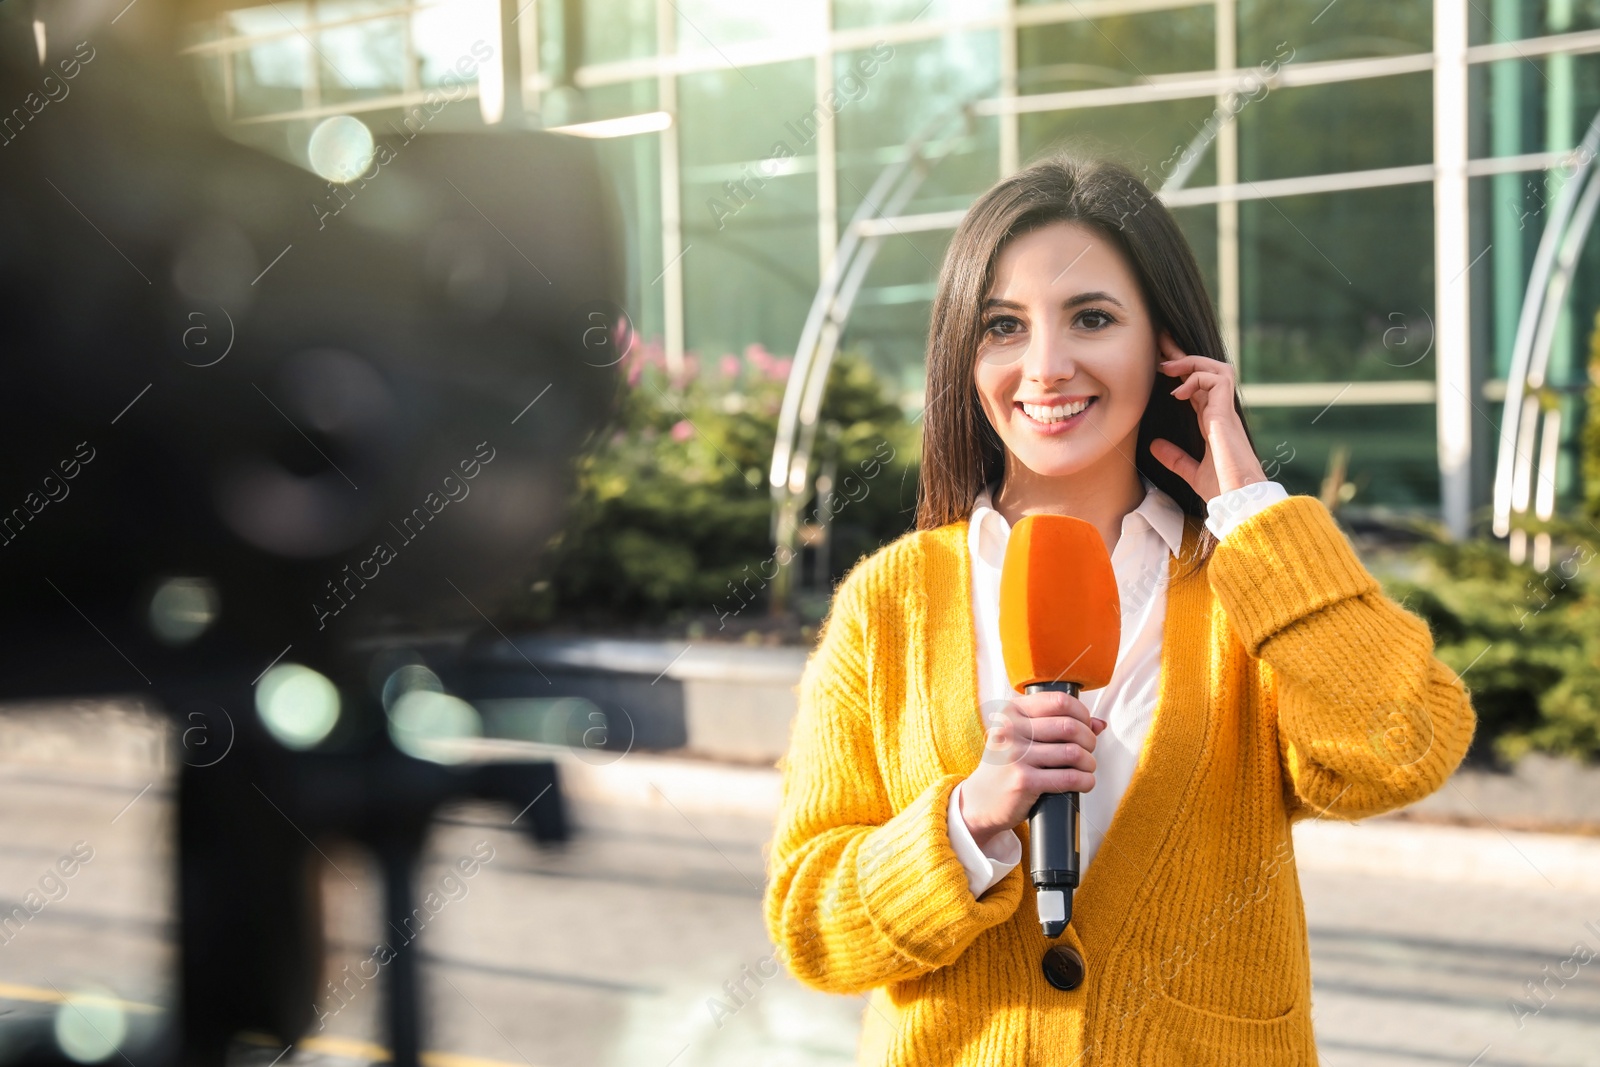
point(1075, 367)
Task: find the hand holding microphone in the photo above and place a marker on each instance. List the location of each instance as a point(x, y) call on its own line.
point(1041, 743)
point(1060, 631)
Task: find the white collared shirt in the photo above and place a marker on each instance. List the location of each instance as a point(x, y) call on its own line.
point(1150, 533)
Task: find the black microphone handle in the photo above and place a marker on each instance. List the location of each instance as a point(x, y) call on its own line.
point(1053, 841)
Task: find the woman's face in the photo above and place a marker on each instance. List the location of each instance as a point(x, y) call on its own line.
point(1068, 353)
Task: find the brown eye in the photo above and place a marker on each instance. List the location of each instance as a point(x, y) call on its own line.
point(1100, 319)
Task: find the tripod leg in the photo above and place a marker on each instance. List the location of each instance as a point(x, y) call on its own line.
point(401, 994)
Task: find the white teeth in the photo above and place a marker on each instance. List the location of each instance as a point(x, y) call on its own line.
point(1054, 414)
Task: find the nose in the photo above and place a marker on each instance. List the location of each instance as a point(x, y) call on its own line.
point(1049, 357)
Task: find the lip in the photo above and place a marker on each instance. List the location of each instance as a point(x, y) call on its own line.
point(1050, 429)
point(1053, 401)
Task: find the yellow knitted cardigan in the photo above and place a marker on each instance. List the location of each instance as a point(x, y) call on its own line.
point(1291, 687)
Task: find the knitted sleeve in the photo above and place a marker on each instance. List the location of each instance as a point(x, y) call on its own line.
point(1368, 718)
point(858, 894)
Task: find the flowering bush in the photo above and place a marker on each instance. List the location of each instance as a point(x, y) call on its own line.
point(673, 507)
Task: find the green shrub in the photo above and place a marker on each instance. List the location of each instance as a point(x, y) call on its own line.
point(1591, 430)
point(671, 520)
point(1527, 645)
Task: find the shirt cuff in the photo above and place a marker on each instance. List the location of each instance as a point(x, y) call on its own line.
point(984, 866)
point(1236, 505)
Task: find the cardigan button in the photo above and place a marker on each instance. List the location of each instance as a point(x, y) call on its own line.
point(1063, 967)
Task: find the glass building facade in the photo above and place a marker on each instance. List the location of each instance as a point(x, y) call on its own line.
point(1300, 145)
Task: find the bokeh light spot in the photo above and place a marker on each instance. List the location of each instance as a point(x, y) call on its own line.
point(182, 609)
point(421, 717)
point(89, 1025)
point(340, 148)
point(298, 706)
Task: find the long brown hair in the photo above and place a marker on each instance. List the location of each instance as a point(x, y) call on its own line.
point(961, 453)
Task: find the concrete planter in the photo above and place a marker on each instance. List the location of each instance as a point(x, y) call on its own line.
point(727, 702)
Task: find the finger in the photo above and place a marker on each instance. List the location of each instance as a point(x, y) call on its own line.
point(1098, 726)
point(1175, 459)
point(1210, 378)
point(1060, 756)
point(1201, 382)
point(1177, 360)
point(1047, 705)
point(1057, 780)
point(1058, 729)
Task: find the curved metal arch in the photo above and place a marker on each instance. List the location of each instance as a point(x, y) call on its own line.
point(789, 474)
point(1548, 285)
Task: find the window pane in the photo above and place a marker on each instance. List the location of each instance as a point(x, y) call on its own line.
point(1150, 138)
point(1114, 50)
point(362, 61)
point(1199, 226)
point(444, 35)
point(1392, 451)
point(266, 21)
point(1361, 125)
point(633, 166)
point(707, 25)
point(619, 100)
point(618, 29)
point(889, 324)
point(749, 195)
point(270, 77)
point(913, 90)
point(1343, 29)
point(1514, 20)
point(854, 14)
point(1325, 280)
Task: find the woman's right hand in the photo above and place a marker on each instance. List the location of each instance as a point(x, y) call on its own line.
point(1040, 743)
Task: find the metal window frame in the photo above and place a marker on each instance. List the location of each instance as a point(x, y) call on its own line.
point(1450, 172)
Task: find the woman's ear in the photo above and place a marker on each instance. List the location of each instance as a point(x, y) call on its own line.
point(1167, 346)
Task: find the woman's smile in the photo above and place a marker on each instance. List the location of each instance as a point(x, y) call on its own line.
point(1050, 419)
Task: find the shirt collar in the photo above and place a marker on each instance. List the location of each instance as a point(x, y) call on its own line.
point(1157, 510)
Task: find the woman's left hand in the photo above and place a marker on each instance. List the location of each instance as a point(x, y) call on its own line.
point(1229, 462)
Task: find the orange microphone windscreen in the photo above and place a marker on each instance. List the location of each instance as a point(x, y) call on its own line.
point(1060, 616)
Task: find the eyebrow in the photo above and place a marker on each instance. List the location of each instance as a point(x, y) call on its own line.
point(1071, 302)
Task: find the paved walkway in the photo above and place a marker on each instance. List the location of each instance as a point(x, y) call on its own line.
point(620, 950)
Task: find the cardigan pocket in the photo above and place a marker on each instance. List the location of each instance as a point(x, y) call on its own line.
point(1180, 1035)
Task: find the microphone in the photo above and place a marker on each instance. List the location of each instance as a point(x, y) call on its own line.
point(1060, 626)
